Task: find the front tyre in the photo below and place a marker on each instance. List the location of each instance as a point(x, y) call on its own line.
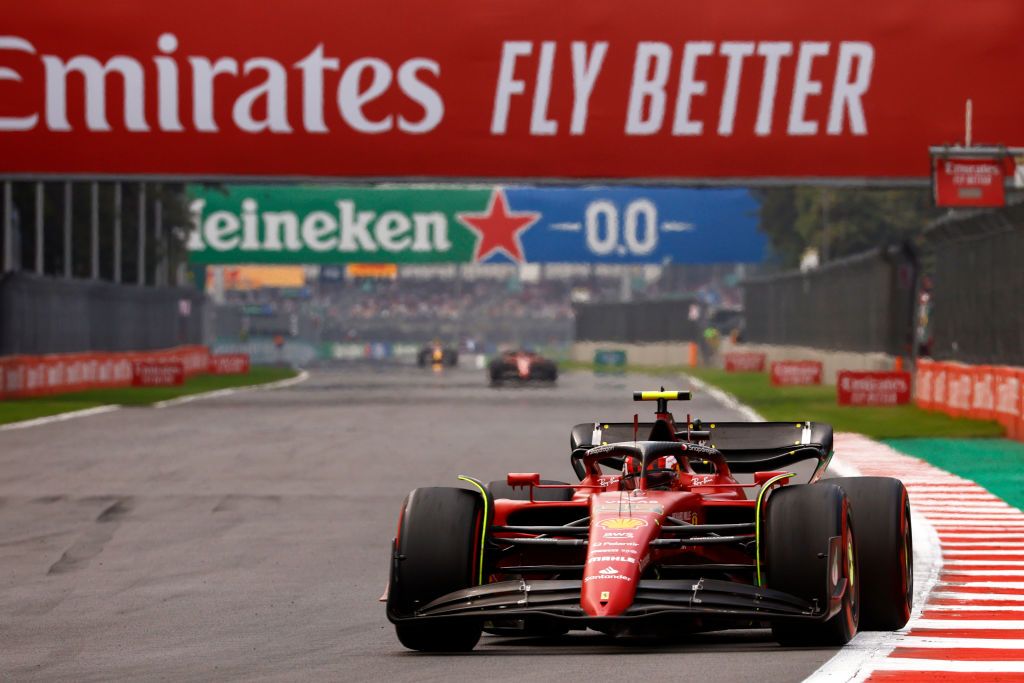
point(799, 522)
point(437, 552)
point(881, 515)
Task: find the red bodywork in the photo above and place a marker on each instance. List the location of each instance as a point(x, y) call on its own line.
point(624, 520)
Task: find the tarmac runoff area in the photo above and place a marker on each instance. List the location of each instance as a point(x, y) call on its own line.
point(245, 537)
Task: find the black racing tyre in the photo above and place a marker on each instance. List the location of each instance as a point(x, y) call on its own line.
point(799, 521)
point(501, 489)
point(438, 550)
point(881, 515)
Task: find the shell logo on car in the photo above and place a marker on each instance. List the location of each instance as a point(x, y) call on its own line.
point(622, 523)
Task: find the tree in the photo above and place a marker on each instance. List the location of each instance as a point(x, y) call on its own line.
point(841, 221)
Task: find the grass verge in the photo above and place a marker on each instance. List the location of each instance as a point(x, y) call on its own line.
point(818, 403)
point(996, 464)
point(16, 410)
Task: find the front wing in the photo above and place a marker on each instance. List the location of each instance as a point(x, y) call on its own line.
point(685, 600)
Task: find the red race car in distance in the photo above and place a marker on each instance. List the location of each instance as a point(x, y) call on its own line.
point(521, 366)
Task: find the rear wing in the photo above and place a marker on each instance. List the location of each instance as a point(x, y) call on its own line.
point(747, 446)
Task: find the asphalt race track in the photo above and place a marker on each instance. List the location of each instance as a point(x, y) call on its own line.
point(246, 537)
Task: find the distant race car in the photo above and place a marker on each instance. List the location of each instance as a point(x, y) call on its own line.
point(521, 366)
point(436, 354)
point(658, 538)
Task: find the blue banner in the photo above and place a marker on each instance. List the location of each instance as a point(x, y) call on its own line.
point(639, 225)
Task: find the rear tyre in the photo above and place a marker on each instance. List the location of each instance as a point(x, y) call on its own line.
point(881, 515)
point(799, 522)
point(437, 552)
point(501, 489)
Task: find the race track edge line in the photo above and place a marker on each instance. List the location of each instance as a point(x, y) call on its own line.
point(280, 384)
point(868, 649)
point(59, 417)
point(726, 399)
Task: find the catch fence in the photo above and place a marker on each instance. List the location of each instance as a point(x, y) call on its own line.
point(637, 322)
point(41, 315)
point(861, 303)
point(977, 314)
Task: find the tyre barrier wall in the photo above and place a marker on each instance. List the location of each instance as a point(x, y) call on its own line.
point(27, 376)
point(983, 392)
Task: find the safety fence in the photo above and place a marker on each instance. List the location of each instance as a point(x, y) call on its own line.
point(860, 303)
point(637, 322)
point(26, 376)
point(976, 314)
point(983, 392)
point(44, 315)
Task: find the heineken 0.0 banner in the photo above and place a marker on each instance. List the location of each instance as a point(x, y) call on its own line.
point(472, 224)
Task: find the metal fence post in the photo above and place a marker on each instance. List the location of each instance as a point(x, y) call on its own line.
point(94, 237)
point(158, 229)
point(117, 233)
point(68, 270)
point(140, 262)
point(39, 228)
point(8, 228)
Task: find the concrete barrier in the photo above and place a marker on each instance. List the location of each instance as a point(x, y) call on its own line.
point(654, 353)
point(831, 361)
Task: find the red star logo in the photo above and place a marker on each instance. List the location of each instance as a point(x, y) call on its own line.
point(499, 229)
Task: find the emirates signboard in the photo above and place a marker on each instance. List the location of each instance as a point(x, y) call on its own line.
point(965, 181)
point(655, 89)
point(796, 372)
point(873, 388)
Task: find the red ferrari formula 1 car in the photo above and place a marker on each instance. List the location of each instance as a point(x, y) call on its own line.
point(521, 366)
point(658, 538)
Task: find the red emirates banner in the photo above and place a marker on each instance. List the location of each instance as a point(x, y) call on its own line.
point(700, 90)
point(969, 182)
point(744, 361)
point(229, 364)
point(796, 372)
point(157, 373)
point(873, 388)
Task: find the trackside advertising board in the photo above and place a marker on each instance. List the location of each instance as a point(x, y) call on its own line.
point(855, 388)
point(649, 89)
point(472, 224)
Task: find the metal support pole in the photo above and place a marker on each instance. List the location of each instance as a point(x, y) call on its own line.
point(94, 233)
point(117, 233)
point(68, 270)
point(8, 228)
point(140, 262)
point(161, 248)
point(39, 228)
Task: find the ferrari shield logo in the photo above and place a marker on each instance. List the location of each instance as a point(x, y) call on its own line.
point(622, 523)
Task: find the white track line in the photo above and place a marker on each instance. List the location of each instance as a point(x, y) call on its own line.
point(978, 643)
point(291, 381)
point(969, 624)
point(986, 572)
point(951, 595)
point(726, 399)
point(854, 662)
point(99, 410)
point(976, 608)
point(958, 552)
point(985, 563)
point(983, 584)
point(907, 664)
point(59, 417)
